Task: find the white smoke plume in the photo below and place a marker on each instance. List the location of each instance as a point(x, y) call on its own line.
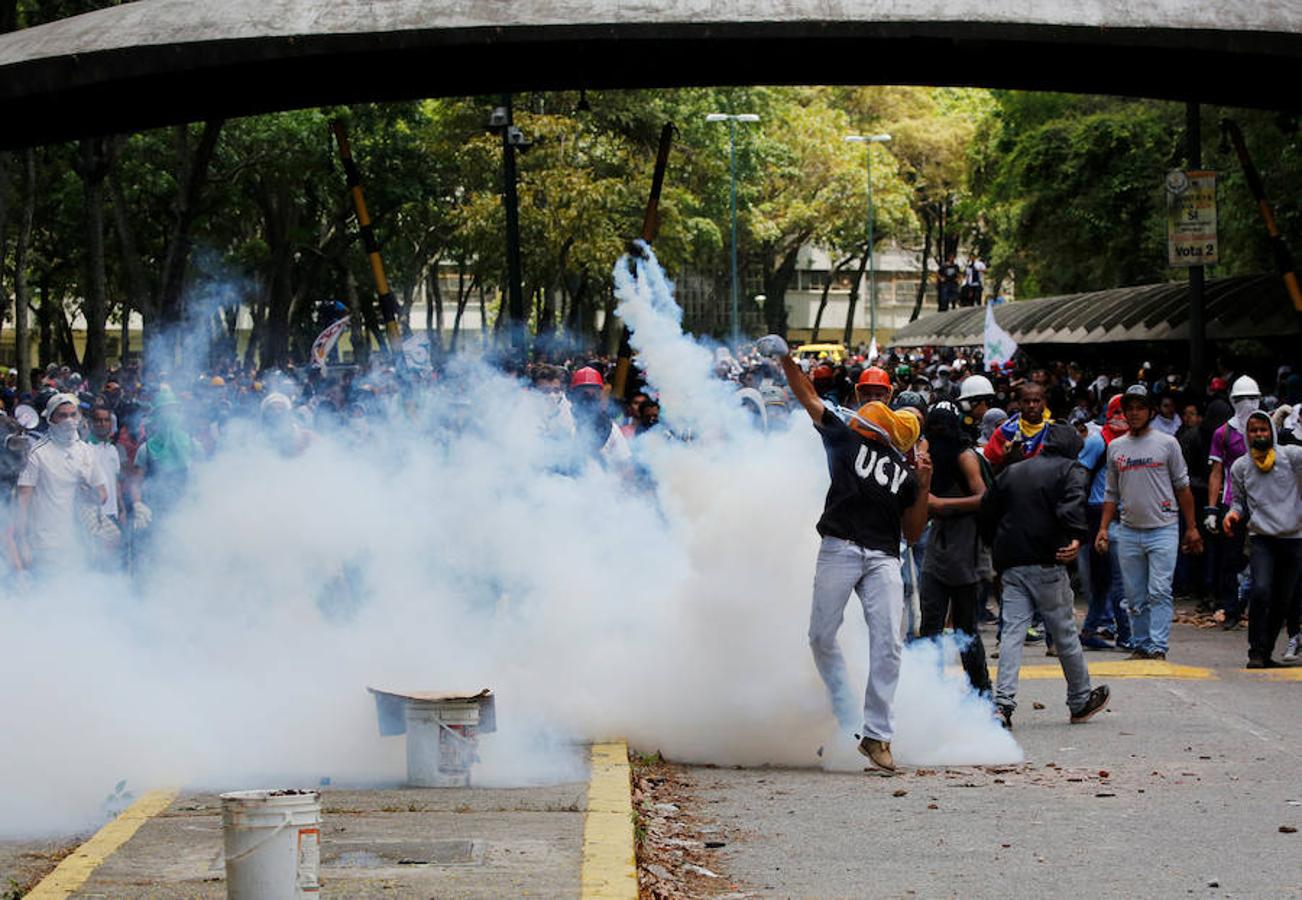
point(450, 551)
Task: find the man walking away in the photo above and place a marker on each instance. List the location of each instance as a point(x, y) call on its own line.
point(1034, 515)
point(1147, 479)
point(873, 499)
point(1268, 494)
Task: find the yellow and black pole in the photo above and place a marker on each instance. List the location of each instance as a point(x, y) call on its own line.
point(650, 225)
point(388, 305)
point(1283, 259)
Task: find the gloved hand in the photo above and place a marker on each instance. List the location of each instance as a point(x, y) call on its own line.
point(772, 346)
point(1210, 517)
point(141, 516)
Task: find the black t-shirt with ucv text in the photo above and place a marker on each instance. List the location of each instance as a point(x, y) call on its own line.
point(871, 488)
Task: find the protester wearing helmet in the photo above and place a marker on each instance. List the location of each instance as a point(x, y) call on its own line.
point(1268, 496)
point(598, 435)
point(976, 396)
point(1228, 444)
point(874, 384)
point(874, 499)
point(1148, 483)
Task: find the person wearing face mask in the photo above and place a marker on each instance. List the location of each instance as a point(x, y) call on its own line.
point(1268, 497)
point(596, 432)
point(1101, 572)
point(1228, 444)
point(976, 397)
point(60, 475)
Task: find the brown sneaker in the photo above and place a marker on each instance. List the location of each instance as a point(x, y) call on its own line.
point(1098, 699)
point(879, 752)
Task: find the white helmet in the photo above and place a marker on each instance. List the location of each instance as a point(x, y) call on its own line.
point(975, 386)
point(1244, 386)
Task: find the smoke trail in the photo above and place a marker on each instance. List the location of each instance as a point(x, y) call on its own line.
point(456, 548)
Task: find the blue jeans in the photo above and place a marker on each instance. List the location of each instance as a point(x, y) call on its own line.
point(1047, 589)
point(1147, 557)
point(844, 566)
point(1103, 582)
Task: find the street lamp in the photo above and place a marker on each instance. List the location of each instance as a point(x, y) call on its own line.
point(868, 140)
point(732, 121)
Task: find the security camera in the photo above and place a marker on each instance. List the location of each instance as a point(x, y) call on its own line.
point(498, 118)
point(515, 137)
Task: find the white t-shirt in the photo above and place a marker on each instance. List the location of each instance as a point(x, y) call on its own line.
point(109, 457)
point(56, 474)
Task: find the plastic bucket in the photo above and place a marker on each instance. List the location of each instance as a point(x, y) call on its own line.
point(273, 844)
point(442, 742)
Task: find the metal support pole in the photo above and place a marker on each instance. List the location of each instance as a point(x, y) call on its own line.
point(511, 205)
point(872, 262)
point(732, 163)
point(1197, 327)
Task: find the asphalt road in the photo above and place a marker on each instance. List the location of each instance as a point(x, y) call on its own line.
point(1179, 789)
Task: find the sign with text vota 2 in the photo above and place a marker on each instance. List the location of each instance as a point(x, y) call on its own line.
point(1191, 218)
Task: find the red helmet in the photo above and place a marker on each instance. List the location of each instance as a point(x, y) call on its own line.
point(585, 377)
point(1114, 407)
point(874, 375)
point(823, 373)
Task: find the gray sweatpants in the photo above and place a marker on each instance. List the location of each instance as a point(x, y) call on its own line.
point(1046, 588)
point(844, 566)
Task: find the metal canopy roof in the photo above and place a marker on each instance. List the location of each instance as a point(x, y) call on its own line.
point(154, 62)
point(1243, 307)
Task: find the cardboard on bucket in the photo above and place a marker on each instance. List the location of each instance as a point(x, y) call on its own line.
point(442, 731)
point(272, 842)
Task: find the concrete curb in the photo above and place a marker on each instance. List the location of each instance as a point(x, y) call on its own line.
point(609, 855)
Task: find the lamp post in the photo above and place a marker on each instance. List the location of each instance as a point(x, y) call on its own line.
point(868, 140)
point(732, 121)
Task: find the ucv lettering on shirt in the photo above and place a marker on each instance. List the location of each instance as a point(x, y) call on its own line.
point(883, 470)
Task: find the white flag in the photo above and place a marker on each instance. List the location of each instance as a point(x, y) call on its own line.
point(326, 340)
point(873, 352)
point(1000, 346)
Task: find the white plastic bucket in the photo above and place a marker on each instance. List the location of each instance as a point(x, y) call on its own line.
point(442, 742)
point(273, 844)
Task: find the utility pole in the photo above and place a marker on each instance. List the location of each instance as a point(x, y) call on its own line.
point(1197, 327)
point(511, 138)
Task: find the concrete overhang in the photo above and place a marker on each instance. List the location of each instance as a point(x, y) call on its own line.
point(156, 62)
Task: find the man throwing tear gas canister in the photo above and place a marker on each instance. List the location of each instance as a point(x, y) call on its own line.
point(874, 498)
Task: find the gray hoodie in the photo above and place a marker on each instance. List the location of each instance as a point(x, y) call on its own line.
point(1270, 501)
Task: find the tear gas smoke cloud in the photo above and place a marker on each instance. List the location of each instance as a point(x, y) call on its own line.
point(447, 551)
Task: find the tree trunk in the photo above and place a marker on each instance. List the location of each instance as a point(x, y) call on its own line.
point(192, 173)
point(357, 333)
point(45, 322)
point(854, 298)
point(929, 222)
point(822, 301)
point(22, 348)
point(777, 278)
point(95, 158)
point(4, 222)
point(434, 311)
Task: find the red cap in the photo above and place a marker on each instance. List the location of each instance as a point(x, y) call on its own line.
point(585, 377)
point(1218, 384)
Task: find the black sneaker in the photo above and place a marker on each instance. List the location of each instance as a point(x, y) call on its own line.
point(1004, 714)
point(1258, 663)
point(1098, 700)
point(1139, 653)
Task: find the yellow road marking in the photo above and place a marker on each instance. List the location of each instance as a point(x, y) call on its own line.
point(73, 872)
point(1292, 674)
point(1122, 668)
point(609, 860)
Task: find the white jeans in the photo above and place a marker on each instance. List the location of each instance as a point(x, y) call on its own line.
point(844, 566)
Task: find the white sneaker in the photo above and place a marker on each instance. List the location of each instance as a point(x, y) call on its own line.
point(1294, 648)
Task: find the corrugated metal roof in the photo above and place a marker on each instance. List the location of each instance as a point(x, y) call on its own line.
point(1242, 307)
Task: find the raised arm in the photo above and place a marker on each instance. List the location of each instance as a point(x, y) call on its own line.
point(775, 347)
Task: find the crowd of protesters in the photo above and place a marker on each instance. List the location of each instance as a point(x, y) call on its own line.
point(1188, 490)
